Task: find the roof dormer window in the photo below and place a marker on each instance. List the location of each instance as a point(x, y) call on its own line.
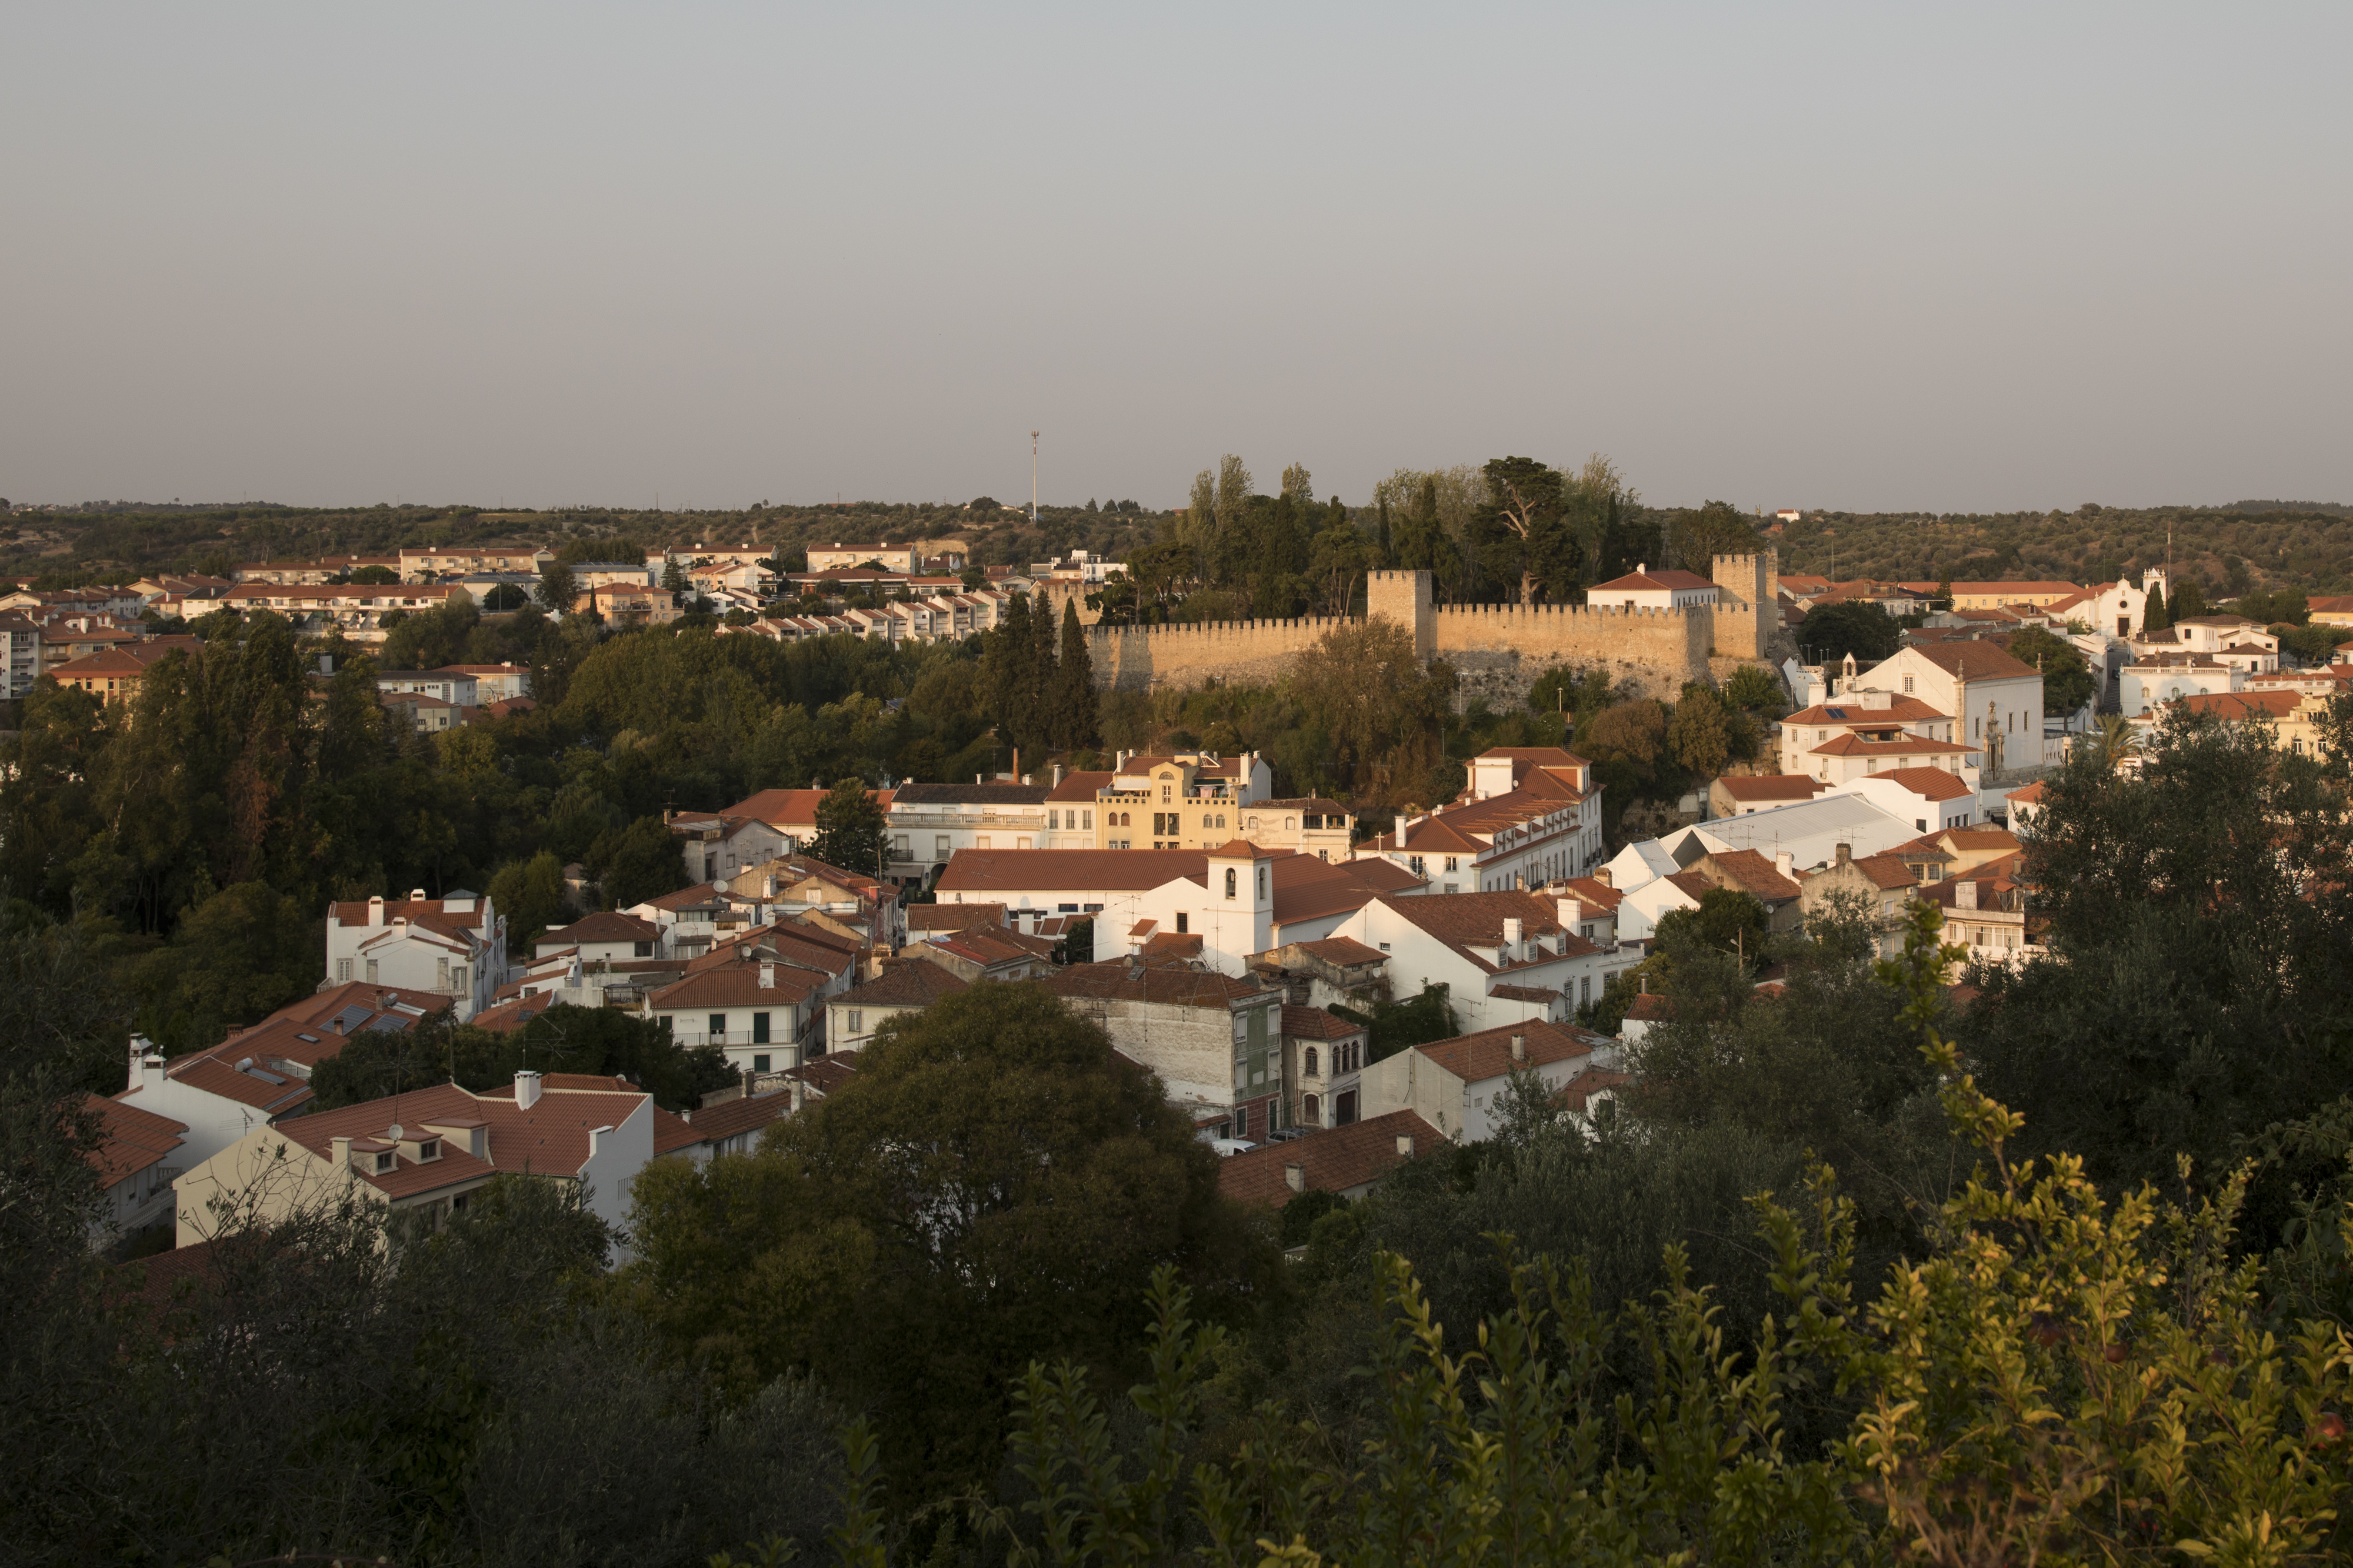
point(385, 1161)
point(428, 1150)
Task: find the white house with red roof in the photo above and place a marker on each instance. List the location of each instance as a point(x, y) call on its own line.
point(1458, 1086)
point(1503, 956)
point(139, 1155)
point(1668, 588)
point(431, 1148)
point(1932, 798)
point(1528, 816)
point(1135, 895)
point(1994, 700)
point(260, 1075)
point(454, 946)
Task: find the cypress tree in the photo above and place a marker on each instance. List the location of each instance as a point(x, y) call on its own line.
point(2155, 617)
point(1041, 671)
point(1013, 683)
point(2188, 601)
point(1074, 709)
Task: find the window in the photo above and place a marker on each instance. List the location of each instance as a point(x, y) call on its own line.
point(718, 1026)
point(1088, 826)
point(428, 1149)
point(343, 970)
point(371, 971)
point(759, 1028)
point(899, 847)
point(1312, 1110)
point(457, 979)
point(1585, 992)
point(1164, 794)
point(1307, 1063)
point(855, 1020)
point(665, 1023)
point(1451, 860)
point(1907, 683)
point(1053, 822)
point(385, 1161)
point(980, 841)
point(643, 949)
point(760, 1063)
point(1181, 919)
point(1021, 843)
point(1261, 884)
point(1229, 881)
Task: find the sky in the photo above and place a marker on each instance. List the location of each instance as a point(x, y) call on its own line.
point(1870, 256)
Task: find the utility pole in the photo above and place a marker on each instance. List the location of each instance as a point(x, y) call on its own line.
point(1033, 478)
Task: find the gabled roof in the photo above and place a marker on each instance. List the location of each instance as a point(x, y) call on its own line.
point(605, 925)
point(1850, 744)
point(2239, 705)
point(1887, 871)
point(1594, 891)
point(1307, 887)
point(1345, 951)
point(1080, 785)
point(717, 1124)
point(1929, 784)
point(1850, 710)
point(1659, 580)
point(1476, 1058)
point(1316, 1023)
point(1752, 873)
point(952, 917)
point(129, 1139)
point(794, 808)
point(1465, 921)
point(1974, 660)
point(551, 1138)
point(2031, 795)
point(1578, 1093)
point(1029, 870)
point(1117, 981)
point(737, 984)
point(1330, 1159)
point(904, 982)
point(1772, 786)
point(431, 913)
point(1984, 590)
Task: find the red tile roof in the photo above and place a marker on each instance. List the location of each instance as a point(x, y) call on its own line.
point(1850, 710)
point(1330, 1159)
point(551, 1138)
point(1316, 1023)
point(717, 1124)
point(1772, 786)
point(129, 1139)
point(1652, 582)
point(1345, 951)
point(737, 984)
point(1748, 870)
point(605, 925)
point(1172, 987)
point(904, 982)
point(1030, 871)
point(1474, 1059)
point(1976, 660)
point(952, 917)
point(1080, 787)
point(1578, 1093)
point(1930, 783)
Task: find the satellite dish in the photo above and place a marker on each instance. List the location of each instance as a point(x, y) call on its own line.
point(395, 1132)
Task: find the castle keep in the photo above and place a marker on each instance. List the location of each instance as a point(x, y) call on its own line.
point(1498, 650)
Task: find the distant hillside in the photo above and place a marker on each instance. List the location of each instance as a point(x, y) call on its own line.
point(115, 539)
point(2260, 544)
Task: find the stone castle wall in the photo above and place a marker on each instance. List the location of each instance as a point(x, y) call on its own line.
point(1498, 650)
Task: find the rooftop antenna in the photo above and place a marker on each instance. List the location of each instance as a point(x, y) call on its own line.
point(1033, 477)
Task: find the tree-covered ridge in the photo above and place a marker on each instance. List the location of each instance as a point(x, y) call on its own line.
point(2227, 549)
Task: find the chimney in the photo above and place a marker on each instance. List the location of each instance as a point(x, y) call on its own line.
point(1519, 1047)
point(1964, 895)
point(1404, 1145)
point(1845, 853)
point(342, 1150)
point(1295, 1176)
point(1785, 863)
point(799, 1093)
point(1601, 874)
point(375, 911)
point(526, 1089)
point(1641, 567)
point(1511, 928)
point(1571, 911)
point(1058, 775)
point(767, 975)
point(1400, 829)
point(417, 894)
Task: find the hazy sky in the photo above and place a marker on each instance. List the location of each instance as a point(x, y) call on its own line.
point(1952, 257)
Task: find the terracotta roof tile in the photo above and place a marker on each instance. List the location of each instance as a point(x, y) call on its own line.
point(1474, 1059)
point(1316, 1023)
point(1330, 1159)
point(1345, 951)
point(130, 1139)
point(1772, 786)
point(904, 982)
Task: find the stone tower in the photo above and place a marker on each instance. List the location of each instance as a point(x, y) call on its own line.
point(1404, 597)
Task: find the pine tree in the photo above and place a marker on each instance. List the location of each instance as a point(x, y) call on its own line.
point(1073, 707)
point(1042, 673)
point(2188, 601)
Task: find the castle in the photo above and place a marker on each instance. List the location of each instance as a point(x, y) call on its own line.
point(1498, 651)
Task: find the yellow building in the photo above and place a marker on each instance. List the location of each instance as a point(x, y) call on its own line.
point(1996, 596)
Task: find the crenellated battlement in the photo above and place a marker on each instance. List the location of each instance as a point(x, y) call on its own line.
point(1497, 649)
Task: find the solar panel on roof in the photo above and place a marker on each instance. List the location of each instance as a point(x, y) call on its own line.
point(350, 1018)
point(391, 1022)
point(1835, 713)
